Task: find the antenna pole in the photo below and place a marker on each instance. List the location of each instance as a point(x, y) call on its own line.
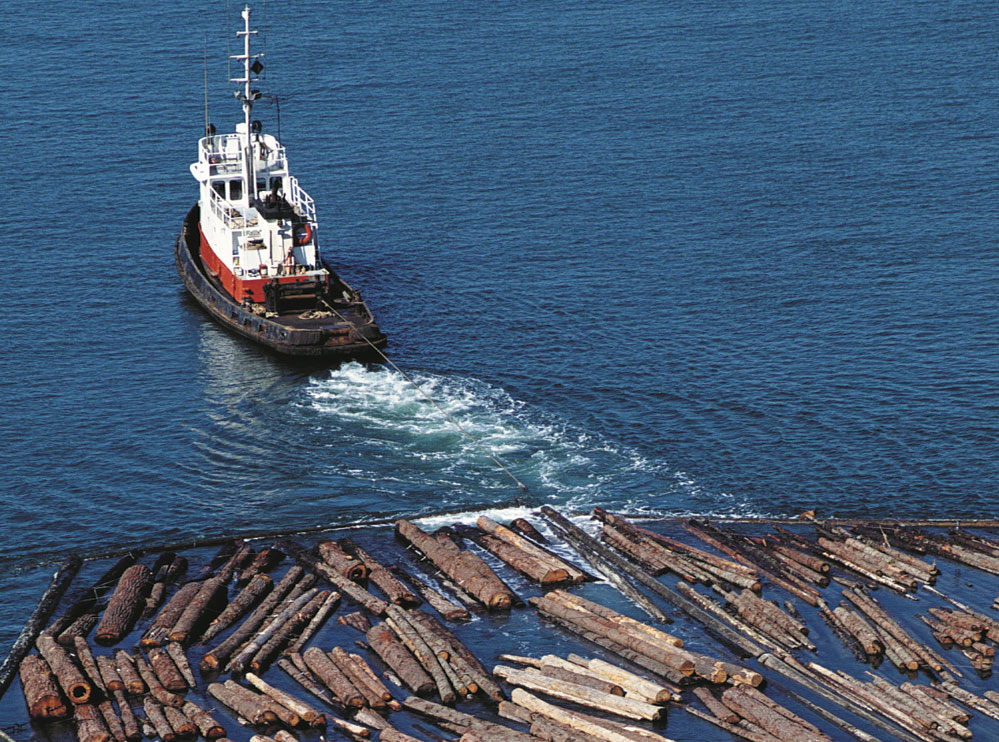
point(206, 86)
point(246, 97)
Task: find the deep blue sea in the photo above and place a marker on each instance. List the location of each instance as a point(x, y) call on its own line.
point(658, 256)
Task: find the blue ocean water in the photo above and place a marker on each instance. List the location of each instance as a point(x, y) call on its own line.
point(658, 256)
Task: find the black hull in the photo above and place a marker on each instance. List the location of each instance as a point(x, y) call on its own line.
point(288, 335)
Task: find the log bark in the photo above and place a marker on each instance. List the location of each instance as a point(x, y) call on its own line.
point(156, 689)
point(154, 600)
point(285, 715)
point(716, 707)
point(347, 587)
point(363, 668)
point(594, 683)
point(635, 686)
point(342, 660)
point(181, 725)
point(298, 671)
point(179, 658)
point(41, 691)
point(264, 561)
point(345, 565)
point(551, 731)
point(154, 712)
point(215, 659)
point(465, 568)
point(240, 558)
point(242, 660)
point(207, 726)
point(86, 659)
point(125, 666)
point(329, 604)
point(389, 734)
point(333, 677)
point(125, 605)
point(287, 631)
point(209, 598)
point(479, 678)
point(253, 712)
point(526, 528)
point(247, 598)
point(307, 713)
point(449, 610)
point(128, 721)
point(90, 726)
point(394, 590)
point(82, 626)
point(85, 601)
point(156, 634)
point(459, 720)
point(356, 620)
point(47, 604)
point(418, 647)
point(166, 670)
point(71, 680)
point(394, 654)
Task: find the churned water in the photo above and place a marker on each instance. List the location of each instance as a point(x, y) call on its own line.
point(657, 256)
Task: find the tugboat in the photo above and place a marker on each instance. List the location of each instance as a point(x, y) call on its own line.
point(249, 248)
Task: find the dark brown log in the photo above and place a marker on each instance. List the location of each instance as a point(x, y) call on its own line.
point(207, 726)
point(346, 565)
point(154, 712)
point(243, 659)
point(85, 601)
point(40, 690)
point(156, 689)
point(250, 710)
point(394, 590)
point(524, 562)
point(384, 643)
point(217, 657)
point(449, 610)
point(359, 680)
point(111, 720)
point(134, 685)
point(264, 561)
point(242, 556)
point(465, 568)
point(364, 669)
point(109, 673)
point(763, 716)
point(349, 588)
point(71, 680)
point(154, 599)
point(356, 620)
point(156, 634)
point(90, 726)
point(82, 626)
point(716, 707)
point(166, 670)
point(288, 631)
point(419, 649)
point(125, 605)
point(282, 713)
point(176, 653)
point(329, 605)
point(525, 528)
point(208, 600)
point(128, 720)
point(179, 722)
point(248, 597)
point(333, 677)
point(86, 660)
point(458, 720)
point(174, 571)
point(390, 734)
point(478, 677)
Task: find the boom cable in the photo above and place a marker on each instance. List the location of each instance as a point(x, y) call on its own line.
point(432, 401)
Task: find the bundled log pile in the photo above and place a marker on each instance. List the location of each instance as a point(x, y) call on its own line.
point(231, 616)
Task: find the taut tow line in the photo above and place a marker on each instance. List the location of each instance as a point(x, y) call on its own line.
point(433, 401)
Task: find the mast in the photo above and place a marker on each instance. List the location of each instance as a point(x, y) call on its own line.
point(246, 97)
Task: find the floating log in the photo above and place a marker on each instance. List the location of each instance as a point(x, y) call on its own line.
point(242, 556)
point(264, 561)
point(181, 725)
point(128, 721)
point(156, 689)
point(458, 720)
point(111, 721)
point(125, 666)
point(206, 601)
point(388, 734)
point(167, 671)
point(90, 726)
point(449, 610)
point(207, 726)
point(329, 604)
point(411, 638)
point(394, 590)
point(85, 601)
point(248, 597)
point(125, 605)
point(154, 600)
point(40, 690)
point(525, 528)
point(156, 634)
point(216, 658)
point(304, 677)
point(154, 712)
point(287, 631)
point(346, 565)
point(307, 713)
point(256, 713)
point(47, 604)
point(282, 713)
point(355, 620)
point(635, 686)
point(555, 563)
point(81, 627)
point(179, 658)
point(467, 664)
point(567, 718)
point(86, 660)
point(243, 659)
point(333, 677)
point(363, 668)
point(464, 567)
point(394, 654)
point(71, 680)
point(372, 696)
point(347, 587)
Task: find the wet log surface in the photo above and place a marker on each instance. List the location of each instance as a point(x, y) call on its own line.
point(948, 583)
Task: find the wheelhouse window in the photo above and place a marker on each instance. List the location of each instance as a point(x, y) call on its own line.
point(219, 187)
point(235, 190)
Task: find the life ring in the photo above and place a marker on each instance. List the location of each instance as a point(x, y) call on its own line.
point(263, 269)
point(302, 234)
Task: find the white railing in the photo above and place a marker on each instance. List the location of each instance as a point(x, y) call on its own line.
point(229, 213)
point(301, 200)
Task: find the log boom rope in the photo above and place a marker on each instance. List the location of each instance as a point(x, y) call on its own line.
point(432, 401)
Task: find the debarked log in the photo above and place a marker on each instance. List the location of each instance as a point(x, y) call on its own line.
point(125, 605)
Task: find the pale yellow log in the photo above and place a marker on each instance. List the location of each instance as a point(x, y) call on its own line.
point(532, 703)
